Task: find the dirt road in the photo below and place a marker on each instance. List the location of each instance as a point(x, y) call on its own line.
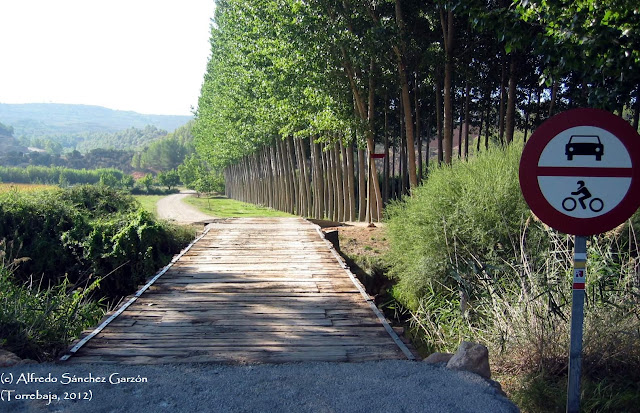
point(172, 208)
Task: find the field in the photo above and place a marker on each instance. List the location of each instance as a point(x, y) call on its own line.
point(149, 202)
point(23, 187)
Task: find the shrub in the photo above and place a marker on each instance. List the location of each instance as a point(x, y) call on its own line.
point(85, 232)
point(127, 248)
point(45, 232)
point(466, 217)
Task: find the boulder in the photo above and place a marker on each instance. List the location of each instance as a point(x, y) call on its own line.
point(437, 358)
point(471, 357)
point(8, 359)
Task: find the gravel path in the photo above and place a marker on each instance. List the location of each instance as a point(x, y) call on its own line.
point(389, 386)
point(172, 208)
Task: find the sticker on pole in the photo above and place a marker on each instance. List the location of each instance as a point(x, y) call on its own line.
point(580, 171)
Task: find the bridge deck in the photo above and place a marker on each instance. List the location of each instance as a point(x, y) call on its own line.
point(263, 290)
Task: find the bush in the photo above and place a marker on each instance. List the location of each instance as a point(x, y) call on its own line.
point(466, 217)
point(45, 232)
point(83, 245)
point(85, 232)
point(127, 248)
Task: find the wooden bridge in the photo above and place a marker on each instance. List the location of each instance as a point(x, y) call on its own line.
point(263, 290)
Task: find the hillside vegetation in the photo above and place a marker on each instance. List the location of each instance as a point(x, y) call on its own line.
point(34, 120)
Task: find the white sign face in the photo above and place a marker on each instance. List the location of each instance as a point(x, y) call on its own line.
point(584, 172)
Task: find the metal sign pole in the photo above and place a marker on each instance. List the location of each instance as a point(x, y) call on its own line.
point(577, 317)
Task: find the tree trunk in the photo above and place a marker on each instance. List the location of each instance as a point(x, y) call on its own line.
point(467, 118)
point(403, 153)
point(302, 178)
point(554, 93)
point(351, 179)
point(362, 188)
point(511, 101)
point(394, 180)
point(337, 165)
point(329, 183)
point(345, 180)
point(527, 115)
point(294, 188)
point(439, 120)
point(406, 100)
point(482, 112)
point(446, 20)
point(318, 197)
point(418, 126)
point(460, 130)
point(385, 168)
point(636, 109)
point(486, 125)
point(408, 126)
point(503, 80)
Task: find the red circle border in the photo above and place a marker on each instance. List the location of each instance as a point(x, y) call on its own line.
point(529, 164)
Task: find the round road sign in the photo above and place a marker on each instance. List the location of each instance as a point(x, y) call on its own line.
point(580, 171)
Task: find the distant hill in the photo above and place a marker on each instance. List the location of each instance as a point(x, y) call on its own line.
point(34, 120)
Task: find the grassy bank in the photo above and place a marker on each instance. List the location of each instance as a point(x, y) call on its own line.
point(65, 255)
point(149, 202)
point(223, 207)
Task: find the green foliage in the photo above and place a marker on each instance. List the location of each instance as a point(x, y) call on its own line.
point(127, 248)
point(56, 175)
point(190, 170)
point(97, 201)
point(38, 323)
point(471, 209)
point(166, 153)
point(111, 179)
point(6, 130)
point(83, 127)
point(170, 179)
point(84, 232)
point(147, 181)
point(127, 181)
point(209, 183)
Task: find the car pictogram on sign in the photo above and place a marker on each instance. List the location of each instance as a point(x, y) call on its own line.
point(584, 145)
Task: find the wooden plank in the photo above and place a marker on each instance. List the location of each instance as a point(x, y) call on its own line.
point(230, 344)
point(142, 328)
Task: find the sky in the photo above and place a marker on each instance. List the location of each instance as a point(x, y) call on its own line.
point(147, 56)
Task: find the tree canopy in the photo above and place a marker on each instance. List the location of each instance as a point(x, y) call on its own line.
point(406, 72)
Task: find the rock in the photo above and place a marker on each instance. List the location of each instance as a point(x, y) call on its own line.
point(471, 357)
point(436, 358)
point(8, 359)
point(498, 387)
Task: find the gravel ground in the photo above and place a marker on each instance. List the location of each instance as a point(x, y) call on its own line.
point(171, 207)
point(386, 386)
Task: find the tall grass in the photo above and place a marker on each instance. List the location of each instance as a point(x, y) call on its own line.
point(37, 322)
